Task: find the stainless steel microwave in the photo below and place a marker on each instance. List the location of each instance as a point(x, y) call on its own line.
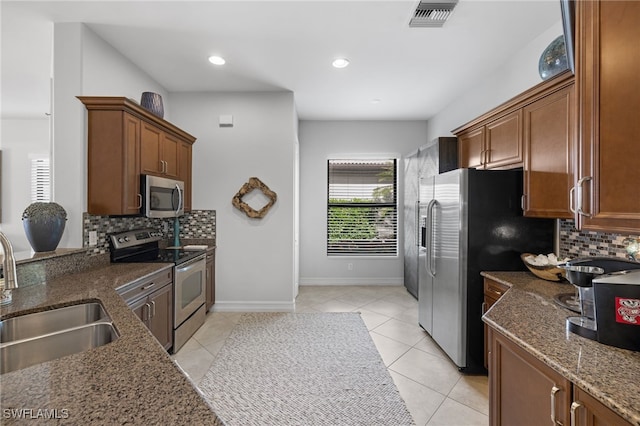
point(162, 197)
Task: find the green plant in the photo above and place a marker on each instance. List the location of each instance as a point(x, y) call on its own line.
point(42, 212)
point(348, 223)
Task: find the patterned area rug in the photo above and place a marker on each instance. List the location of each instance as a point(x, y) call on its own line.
point(302, 369)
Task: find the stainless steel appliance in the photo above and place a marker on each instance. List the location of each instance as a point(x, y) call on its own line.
point(189, 293)
point(438, 156)
point(471, 221)
point(161, 197)
point(583, 273)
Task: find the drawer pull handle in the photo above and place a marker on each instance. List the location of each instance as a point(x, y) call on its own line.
point(147, 286)
point(574, 407)
point(554, 391)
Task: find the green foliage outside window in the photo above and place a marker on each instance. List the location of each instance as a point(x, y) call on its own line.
point(350, 223)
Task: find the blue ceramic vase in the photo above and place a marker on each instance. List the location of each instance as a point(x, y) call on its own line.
point(152, 102)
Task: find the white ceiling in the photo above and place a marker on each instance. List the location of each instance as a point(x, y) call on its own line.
point(282, 45)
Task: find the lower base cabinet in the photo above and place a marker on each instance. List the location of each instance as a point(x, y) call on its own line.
point(588, 411)
point(151, 300)
point(524, 391)
point(493, 291)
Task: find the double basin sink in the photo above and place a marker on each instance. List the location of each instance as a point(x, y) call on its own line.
point(31, 339)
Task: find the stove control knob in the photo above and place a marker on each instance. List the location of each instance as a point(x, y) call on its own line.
point(126, 239)
point(121, 240)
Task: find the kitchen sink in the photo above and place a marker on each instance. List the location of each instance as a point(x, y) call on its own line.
point(45, 322)
point(44, 336)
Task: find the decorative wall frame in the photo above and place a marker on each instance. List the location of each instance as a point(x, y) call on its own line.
point(254, 183)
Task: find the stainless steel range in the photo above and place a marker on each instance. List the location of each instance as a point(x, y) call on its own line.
point(142, 245)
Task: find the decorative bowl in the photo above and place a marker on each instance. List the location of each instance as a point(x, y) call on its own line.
point(546, 272)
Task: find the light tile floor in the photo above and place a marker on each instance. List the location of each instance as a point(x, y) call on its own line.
point(433, 389)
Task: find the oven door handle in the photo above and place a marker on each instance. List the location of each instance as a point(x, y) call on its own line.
point(190, 264)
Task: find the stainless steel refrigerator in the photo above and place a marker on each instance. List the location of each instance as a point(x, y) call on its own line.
point(438, 156)
point(470, 221)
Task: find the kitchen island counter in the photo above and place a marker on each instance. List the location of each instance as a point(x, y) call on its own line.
point(527, 314)
point(130, 380)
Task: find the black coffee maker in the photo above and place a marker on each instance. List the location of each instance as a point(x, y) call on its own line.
point(581, 272)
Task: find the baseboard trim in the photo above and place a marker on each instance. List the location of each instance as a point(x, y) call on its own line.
point(351, 281)
point(255, 306)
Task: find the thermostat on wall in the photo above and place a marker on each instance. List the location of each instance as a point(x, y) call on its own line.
point(225, 120)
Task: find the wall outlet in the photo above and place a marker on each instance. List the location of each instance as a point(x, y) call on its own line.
point(93, 238)
point(350, 266)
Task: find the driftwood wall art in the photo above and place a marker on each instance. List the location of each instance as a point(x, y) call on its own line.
point(254, 183)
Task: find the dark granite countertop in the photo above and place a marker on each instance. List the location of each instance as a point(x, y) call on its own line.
point(527, 314)
point(131, 380)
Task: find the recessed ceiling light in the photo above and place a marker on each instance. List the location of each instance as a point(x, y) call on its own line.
point(376, 101)
point(340, 62)
point(217, 60)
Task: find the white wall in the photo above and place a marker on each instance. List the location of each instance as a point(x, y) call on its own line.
point(83, 64)
point(320, 141)
point(255, 257)
point(517, 74)
point(19, 140)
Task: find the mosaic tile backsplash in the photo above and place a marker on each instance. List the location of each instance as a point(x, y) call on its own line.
point(574, 243)
point(194, 225)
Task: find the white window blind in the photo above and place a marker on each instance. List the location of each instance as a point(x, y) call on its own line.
point(40, 180)
point(362, 212)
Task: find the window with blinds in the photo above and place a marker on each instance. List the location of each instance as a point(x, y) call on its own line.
point(362, 213)
point(40, 180)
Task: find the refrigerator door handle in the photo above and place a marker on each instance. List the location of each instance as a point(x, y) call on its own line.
point(430, 258)
point(417, 222)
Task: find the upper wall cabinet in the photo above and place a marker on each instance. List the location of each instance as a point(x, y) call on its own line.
point(608, 89)
point(125, 141)
point(496, 144)
point(549, 153)
point(535, 131)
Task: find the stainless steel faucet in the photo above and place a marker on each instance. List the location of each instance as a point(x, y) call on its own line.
point(9, 271)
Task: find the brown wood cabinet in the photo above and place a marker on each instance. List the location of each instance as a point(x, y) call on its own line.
point(159, 152)
point(549, 153)
point(151, 299)
point(114, 164)
point(608, 90)
point(471, 148)
point(535, 130)
point(125, 141)
point(522, 389)
point(496, 144)
point(525, 391)
point(156, 312)
point(211, 279)
point(493, 290)
point(588, 411)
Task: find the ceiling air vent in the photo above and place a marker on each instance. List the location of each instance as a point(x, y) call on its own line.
point(430, 14)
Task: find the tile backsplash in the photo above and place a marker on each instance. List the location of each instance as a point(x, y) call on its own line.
point(574, 243)
point(197, 224)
